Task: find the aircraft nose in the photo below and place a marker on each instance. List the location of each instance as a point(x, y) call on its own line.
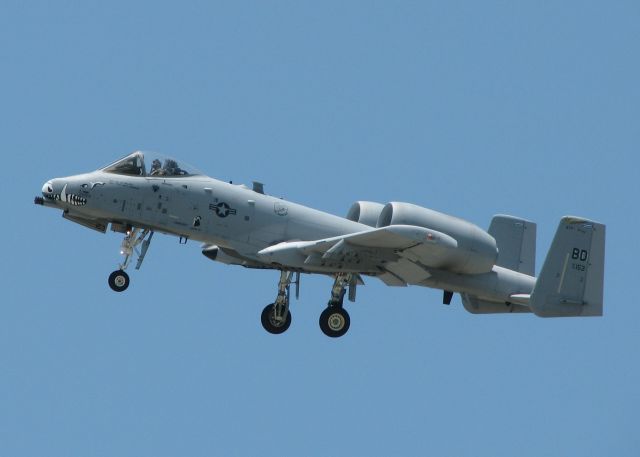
point(47, 188)
point(48, 197)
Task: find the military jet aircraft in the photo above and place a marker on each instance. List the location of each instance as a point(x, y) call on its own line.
point(399, 243)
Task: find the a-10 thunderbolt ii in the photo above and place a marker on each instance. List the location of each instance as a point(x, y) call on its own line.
point(399, 243)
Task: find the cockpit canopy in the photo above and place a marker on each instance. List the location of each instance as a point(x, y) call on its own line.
point(151, 164)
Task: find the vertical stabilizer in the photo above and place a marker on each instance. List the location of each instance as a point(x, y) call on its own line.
point(572, 277)
point(516, 240)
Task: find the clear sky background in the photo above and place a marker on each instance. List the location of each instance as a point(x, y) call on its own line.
point(471, 108)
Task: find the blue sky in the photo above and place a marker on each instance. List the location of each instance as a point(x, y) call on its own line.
point(471, 108)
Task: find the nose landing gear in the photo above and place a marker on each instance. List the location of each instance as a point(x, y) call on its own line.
point(119, 279)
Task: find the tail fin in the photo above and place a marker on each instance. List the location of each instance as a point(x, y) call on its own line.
point(572, 277)
point(516, 240)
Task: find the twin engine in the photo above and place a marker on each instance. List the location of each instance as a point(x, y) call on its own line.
point(476, 251)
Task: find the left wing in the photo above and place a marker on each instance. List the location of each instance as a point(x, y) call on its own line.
point(399, 254)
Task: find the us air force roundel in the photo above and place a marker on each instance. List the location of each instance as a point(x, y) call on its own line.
point(222, 209)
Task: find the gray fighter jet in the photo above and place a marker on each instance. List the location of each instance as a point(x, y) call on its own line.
point(399, 243)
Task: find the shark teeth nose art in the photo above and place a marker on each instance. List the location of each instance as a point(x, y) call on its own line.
point(72, 199)
point(76, 200)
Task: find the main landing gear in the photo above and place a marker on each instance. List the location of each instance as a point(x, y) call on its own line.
point(119, 279)
point(334, 321)
point(276, 317)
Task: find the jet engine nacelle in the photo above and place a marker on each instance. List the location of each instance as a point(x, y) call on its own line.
point(365, 212)
point(476, 251)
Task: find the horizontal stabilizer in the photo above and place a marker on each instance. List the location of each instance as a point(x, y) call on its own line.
point(477, 305)
point(572, 277)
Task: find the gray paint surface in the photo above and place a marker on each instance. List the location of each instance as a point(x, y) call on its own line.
point(407, 245)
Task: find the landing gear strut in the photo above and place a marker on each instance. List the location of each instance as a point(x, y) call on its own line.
point(119, 279)
point(276, 317)
point(335, 321)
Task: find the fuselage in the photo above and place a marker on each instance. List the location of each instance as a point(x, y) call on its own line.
point(196, 207)
point(244, 222)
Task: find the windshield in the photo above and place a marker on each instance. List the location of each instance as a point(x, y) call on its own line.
point(147, 163)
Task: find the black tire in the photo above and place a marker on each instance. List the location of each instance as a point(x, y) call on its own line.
point(335, 321)
point(270, 325)
point(119, 280)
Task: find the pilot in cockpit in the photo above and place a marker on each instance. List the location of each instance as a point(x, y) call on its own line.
point(156, 168)
point(171, 168)
point(134, 165)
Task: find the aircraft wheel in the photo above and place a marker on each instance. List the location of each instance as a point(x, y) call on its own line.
point(119, 280)
point(270, 324)
point(334, 321)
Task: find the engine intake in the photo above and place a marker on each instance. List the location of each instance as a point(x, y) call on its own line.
point(365, 212)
